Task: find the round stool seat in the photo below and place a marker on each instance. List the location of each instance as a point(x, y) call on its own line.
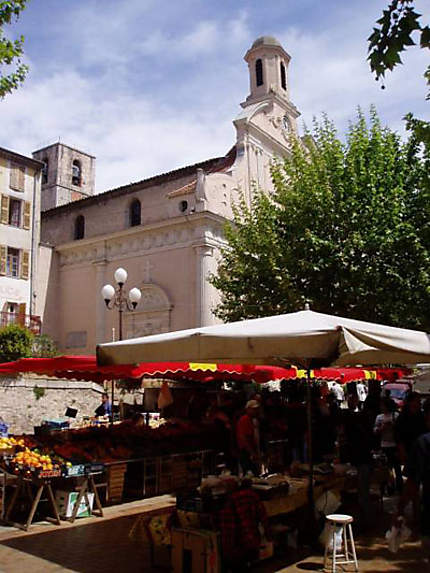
point(339, 518)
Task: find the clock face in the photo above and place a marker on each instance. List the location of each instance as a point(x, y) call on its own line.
point(286, 123)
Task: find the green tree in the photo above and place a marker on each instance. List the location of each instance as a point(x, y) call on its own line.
point(347, 228)
point(15, 342)
point(12, 70)
point(44, 347)
point(394, 33)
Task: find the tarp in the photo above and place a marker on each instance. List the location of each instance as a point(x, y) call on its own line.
point(305, 338)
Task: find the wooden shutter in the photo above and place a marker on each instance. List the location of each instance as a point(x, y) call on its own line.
point(3, 258)
point(4, 216)
point(17, 177)
point(21, 314)
point(25, 263)
point(27, 215)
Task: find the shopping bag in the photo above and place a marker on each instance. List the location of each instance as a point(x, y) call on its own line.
point(326, 537)
point(327, 503)
point(397, 535)
point(165, 397)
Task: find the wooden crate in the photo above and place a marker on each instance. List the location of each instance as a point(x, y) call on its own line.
point(115, 481)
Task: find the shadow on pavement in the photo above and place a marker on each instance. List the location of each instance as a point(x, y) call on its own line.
point(103, 547)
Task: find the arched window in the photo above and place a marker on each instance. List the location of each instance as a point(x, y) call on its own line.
point(76, 173)
point(45, 170)
point(79, 228)
point(259, 72)
point(135, 213)
point(283, 76)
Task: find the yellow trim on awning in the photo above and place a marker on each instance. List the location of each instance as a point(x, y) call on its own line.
point(194, 366)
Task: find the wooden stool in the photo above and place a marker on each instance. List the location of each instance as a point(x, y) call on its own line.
point(336, 522)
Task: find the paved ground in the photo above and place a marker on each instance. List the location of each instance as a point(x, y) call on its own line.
point(104, 545)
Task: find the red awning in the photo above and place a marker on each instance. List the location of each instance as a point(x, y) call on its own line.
point(86, 368)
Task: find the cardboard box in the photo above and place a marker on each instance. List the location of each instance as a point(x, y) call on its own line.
point(266, 550)
point(195, 551)
point(66, 502)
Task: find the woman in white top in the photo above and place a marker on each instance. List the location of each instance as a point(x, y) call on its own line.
point(384, 428)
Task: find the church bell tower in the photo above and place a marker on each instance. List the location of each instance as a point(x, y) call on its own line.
point(268, 70)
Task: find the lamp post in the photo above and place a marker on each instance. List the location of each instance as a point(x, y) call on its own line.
point(117, 298)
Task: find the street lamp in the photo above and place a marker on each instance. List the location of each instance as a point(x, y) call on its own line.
point(117, 298)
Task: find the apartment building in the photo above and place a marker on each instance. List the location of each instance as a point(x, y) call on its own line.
point(20, 184)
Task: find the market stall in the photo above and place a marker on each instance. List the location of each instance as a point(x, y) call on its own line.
point(306, 338)
point(133, 460)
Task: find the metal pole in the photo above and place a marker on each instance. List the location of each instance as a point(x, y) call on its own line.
point(120, 309)
point(311, 521)
point(310, 438)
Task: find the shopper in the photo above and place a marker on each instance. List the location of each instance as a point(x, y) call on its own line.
point(247, 436)
point(409, 426)
point(384, 429)
point(105, 408)
point(419, 472)
point(358, 434)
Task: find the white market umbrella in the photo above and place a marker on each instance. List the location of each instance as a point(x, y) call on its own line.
point(307, 338)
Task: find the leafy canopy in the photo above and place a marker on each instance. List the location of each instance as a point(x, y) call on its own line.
point(15, 342)
point(12, 70)
point(394, 34)
point(347, 228)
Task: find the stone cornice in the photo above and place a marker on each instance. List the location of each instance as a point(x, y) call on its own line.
point(263, 136)
point(186, 231)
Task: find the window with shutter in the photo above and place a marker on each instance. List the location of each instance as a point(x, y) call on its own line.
point(15, 212)
point(4, 210)
point(12, 263)
point(27, 215)
point(3, 259)
point(25, 263)
point(17, 177)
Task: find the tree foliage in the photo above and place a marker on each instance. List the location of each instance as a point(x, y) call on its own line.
point(347, 228)
point(44, 347)
point(394, 34)
point(12, 70)
point(15, 342)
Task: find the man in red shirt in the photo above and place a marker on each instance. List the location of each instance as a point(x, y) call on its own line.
point(247, 436)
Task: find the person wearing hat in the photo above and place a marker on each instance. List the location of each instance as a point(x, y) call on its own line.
point(247, 432)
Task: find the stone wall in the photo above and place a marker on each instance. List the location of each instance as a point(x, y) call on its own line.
point(26, 401)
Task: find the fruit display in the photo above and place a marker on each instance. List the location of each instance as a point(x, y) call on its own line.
point(127, 441)
point(10, 444)
point(32, 459)
point(60, 453)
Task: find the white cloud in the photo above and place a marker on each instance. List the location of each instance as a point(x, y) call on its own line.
point(329, 72)
point(92, 100)
point(131, 136)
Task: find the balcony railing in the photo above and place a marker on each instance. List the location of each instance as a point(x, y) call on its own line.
point(33, 323)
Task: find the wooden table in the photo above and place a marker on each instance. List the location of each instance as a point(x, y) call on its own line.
point(24, 485)
point(86, 486)
point(298, 494)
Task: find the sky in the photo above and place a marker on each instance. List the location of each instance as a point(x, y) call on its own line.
point(149, 86)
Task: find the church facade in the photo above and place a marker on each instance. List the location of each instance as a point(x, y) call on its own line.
point(166, 231)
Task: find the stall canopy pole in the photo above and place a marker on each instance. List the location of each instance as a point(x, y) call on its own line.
point(310, 439)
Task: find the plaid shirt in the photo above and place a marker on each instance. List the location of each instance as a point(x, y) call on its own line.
point(239, 521)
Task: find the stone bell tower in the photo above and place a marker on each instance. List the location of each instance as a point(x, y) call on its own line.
point(68, 175)
point(268, 69)
point(268, 64)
